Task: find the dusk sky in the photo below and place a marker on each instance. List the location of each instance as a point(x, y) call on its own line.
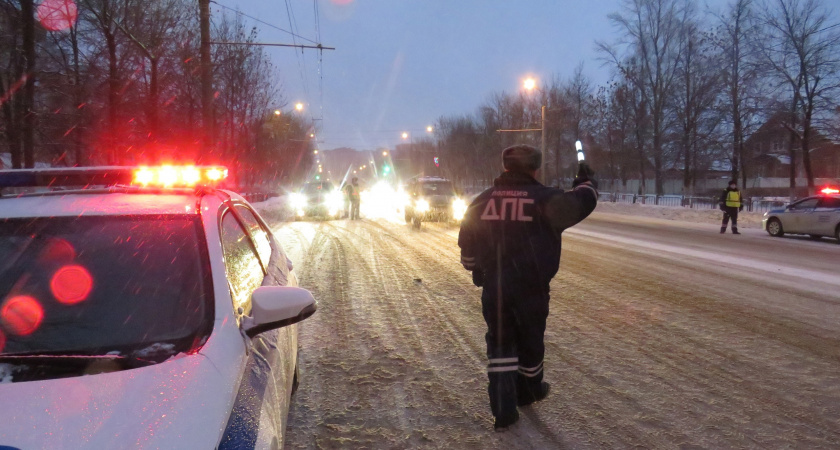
point(399, 65)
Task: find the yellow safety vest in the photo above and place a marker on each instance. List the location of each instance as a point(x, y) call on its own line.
point(733, 199)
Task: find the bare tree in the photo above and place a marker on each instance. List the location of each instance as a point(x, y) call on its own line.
point(804, 53)
point(693, 100)
point(739, 76)
point(651, 30)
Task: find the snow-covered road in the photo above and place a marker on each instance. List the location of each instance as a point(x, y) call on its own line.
point(662, 334)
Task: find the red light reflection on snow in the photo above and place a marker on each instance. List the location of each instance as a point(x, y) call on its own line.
point(57, 15)
point(22, 314)
point(71, 284)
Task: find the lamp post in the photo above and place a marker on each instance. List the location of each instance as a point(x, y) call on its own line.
point(530, 85)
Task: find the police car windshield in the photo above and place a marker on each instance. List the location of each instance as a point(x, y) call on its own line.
point(93, 285)
point(437, 188)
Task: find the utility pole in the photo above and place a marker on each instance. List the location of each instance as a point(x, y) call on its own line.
point(542, 145)
point(206, 80)
point(541, 129)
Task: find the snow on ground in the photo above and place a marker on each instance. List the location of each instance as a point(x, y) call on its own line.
point(663, 333)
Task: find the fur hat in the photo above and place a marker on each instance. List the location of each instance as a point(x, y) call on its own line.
point(521, 158)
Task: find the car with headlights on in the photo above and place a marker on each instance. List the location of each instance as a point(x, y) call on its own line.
point(142, 307)
point(317, 199)
point(432, 199)
point(816, 216)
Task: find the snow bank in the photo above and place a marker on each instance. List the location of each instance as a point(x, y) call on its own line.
point(275, 209)
point(679, 213)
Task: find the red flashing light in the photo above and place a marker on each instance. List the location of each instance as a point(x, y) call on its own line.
point(2, 340)
point(179, 176)
point(828, 191)
point(22, 315)
point(71, 284)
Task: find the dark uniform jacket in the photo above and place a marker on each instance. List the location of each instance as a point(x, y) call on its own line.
point(513, 229)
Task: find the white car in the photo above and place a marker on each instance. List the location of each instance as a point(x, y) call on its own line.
point(135, 315)
point(816, 216)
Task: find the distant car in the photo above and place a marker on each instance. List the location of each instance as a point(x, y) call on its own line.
point(432, 199)
point(816, 216)
point(138, 314)
point(317, 199)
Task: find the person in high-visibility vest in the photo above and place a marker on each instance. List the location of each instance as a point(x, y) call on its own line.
point(730, 204)
point(351, 190)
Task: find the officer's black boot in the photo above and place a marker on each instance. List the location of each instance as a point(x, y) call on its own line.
point(722, 230)
point(529, 396)
point(735, 231)
point(503, 422)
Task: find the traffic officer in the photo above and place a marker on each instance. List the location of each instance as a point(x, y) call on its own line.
point(510, 240)
point(730, 203)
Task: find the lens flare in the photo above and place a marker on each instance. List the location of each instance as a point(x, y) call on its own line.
point(71, 284)
point(22, 315)
point(57, 251)
point(57, 15)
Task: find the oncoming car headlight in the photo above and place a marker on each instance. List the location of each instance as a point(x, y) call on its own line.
point(297, 201)
point(422, 206)
point(335, 201)
point(459, 208)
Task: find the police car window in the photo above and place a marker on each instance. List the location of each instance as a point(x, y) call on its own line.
point(241, 262)
point(103, 284)
point(256, 230)
point(829, 202)
point(806, 204)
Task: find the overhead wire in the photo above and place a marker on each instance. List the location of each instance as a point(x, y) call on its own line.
point(236, 11)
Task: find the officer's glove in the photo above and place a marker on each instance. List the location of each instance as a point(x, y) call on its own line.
point(478, 277)
point(741, 208)
point(720, 205)
point(585, 174)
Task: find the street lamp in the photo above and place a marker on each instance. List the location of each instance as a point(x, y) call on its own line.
point(429, 129)
point(530, 84)
point(299, 106)
point(277, 112)
point(405, 135)
point(384, 152)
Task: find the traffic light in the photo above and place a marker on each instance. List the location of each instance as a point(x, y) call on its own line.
point(437, 162)
point(317, 177)
point(386, 169)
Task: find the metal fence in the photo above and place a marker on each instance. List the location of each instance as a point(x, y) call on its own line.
point(750, 204)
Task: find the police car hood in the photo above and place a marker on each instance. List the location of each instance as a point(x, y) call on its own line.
point(183, 402)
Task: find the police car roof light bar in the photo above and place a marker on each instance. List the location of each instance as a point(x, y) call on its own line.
point(159, 176)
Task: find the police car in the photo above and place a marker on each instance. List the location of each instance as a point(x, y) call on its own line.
point(147, 309)
point(432, 199)
point(816, 216)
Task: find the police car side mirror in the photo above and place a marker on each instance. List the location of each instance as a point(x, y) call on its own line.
point(275, 307)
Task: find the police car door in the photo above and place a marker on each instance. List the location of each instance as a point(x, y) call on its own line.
point(826, 214)
point(802, 216)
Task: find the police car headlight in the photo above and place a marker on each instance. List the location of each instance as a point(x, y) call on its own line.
point(459, 208)
point(297, 200)
point(422, 206)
